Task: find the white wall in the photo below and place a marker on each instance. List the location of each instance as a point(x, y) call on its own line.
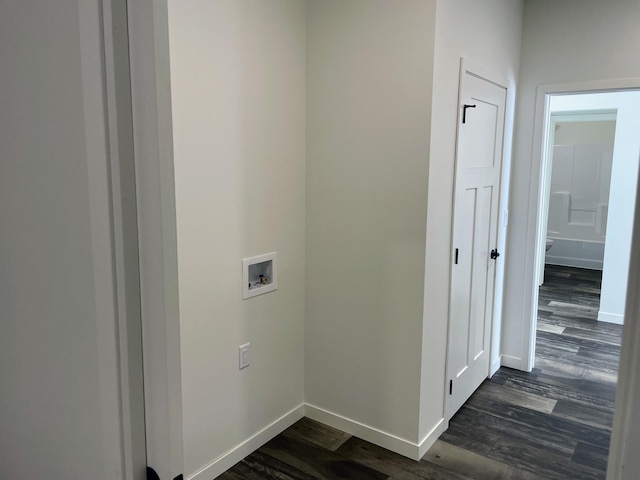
point(624, 174)
point(368, 341)
point(572, 131)
point(624, 461)
point(238, 99)
point(59, 408)
point(369, 97)
point(487, 33)
point(563, 42)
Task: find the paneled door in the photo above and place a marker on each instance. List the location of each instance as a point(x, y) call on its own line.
point(475, 233)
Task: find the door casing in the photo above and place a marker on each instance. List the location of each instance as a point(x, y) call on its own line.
point(125, 241)
point(148, 27)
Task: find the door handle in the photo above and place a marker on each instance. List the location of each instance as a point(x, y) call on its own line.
point(494, 254)
point(464, 112)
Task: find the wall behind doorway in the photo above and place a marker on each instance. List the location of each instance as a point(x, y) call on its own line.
point(579, 191)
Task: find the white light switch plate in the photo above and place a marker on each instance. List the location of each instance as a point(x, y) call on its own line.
point(244, 360)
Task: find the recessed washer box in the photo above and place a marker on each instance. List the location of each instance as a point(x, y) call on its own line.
point(259, 275)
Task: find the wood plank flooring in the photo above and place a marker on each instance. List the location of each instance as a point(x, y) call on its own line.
point(552, 423)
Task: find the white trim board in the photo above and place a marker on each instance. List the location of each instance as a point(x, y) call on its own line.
point(496, 363)
point(228, 459)
point(430, 438)
point(573, 262)
point(414, 451)
point(610, 317)
point(514, 362)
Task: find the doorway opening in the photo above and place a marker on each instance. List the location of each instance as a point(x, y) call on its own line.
point(588, 189)
point(588, 183)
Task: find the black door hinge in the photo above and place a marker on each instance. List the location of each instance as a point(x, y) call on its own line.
point(456, 256)
point(450, 387)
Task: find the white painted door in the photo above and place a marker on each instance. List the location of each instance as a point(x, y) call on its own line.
point(475, 228)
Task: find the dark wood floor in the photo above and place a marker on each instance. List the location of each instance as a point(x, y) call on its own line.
point(552, 423)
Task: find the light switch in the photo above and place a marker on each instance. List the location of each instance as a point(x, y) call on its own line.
point(244, 355)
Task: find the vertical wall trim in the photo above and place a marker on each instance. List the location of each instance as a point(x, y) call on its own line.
point(125, 229)
point(628, 389)
point(153, 146)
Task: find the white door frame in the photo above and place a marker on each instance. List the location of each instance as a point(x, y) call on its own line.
point(536, 208)
point(626, 419)
point(136, 53)
point(125, 236)
point(155, 187)
point(486, 73)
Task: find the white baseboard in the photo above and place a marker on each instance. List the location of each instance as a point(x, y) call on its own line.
point(610, 317)
point(414, 451)
point(431, 437)
point(511, 362)
point(574, 262)
point(373, 435)
point(227, 460)
point(495, 365)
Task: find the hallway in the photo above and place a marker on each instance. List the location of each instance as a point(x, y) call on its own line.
point(552, 423)
point(555, 421)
